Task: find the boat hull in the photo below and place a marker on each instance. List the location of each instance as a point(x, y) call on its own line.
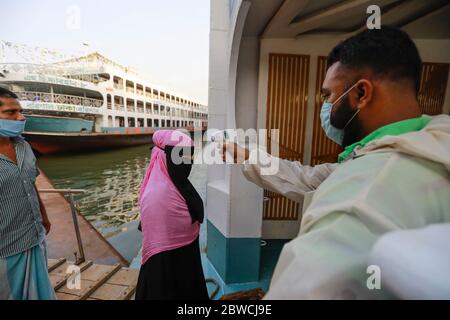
point(50, 143)
point(57, 124)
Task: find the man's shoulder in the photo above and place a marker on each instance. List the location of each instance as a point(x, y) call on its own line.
point(21, 140)
point(396, 186)
point(18, 140)
point(27, 149)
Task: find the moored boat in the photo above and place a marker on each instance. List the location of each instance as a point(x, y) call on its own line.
point(92, 103)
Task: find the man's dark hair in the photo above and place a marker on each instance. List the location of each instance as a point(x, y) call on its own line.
point(5, 93)
point(389, 52)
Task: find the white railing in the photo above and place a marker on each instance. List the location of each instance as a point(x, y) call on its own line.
point(119, 107)
point(59, 98)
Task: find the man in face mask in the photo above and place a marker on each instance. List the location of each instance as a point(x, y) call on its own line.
point(23, 219)
point(393, 173)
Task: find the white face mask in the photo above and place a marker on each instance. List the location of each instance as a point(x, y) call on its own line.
point(335, 134)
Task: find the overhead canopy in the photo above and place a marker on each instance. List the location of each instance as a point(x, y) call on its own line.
point(296, 18)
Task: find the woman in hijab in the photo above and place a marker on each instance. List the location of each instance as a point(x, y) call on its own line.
point(171, 214)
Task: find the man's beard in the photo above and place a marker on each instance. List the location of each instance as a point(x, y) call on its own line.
point(353, 131)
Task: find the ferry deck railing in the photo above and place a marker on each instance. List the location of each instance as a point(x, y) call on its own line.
point(68, 194)
point(59, 98)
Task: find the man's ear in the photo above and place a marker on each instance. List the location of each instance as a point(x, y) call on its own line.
point(364, 90)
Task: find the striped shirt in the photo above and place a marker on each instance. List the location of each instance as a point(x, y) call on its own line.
point(20, 216)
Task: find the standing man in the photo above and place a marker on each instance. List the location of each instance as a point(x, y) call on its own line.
point(23, 219)
point(394, 173)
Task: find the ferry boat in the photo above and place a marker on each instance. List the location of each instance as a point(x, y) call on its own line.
point(91, 102)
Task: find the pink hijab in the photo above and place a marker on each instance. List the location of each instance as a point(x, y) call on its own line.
point(165, 219)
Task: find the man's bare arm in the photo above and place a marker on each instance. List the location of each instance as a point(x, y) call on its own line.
point(45, 220)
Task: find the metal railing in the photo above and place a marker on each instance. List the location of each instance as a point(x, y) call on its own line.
point(59, 98)
point(68, 193)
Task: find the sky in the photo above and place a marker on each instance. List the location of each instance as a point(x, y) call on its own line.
point(166, 41)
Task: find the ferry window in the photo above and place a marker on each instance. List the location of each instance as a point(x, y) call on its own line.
point(140, 106)
point(130, 105)
point(100, 77)
point(163, 123)
point(140, 122)
point(121, 121)
point(156, 122)
point(139, 89)
point(148, 92)
point(118, 103)
point(131, 122)
point(130, 86)
point(108, 101)
point(118, 83)
point(149, 122)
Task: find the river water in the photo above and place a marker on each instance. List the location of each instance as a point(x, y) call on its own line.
point(112, 180)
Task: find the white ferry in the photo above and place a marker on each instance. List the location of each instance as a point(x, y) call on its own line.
point(91, 102)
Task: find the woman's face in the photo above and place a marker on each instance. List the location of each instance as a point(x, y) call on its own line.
point(179, 162)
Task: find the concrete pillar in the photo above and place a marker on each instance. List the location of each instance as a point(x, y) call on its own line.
point(233, 204)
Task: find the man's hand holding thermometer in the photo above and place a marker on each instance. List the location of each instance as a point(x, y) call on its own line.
point(236, 152)
point(239, 154)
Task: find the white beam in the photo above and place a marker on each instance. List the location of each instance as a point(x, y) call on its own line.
point(278, 26)
point(399, 12)
point(329, 15)
point(435, 12)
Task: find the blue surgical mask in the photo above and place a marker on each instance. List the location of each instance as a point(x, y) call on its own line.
point(335, 134)
point(11, 128)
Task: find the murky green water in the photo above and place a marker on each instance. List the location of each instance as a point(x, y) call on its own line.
point(111, 179)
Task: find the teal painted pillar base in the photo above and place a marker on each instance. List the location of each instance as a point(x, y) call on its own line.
point(237, 260)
